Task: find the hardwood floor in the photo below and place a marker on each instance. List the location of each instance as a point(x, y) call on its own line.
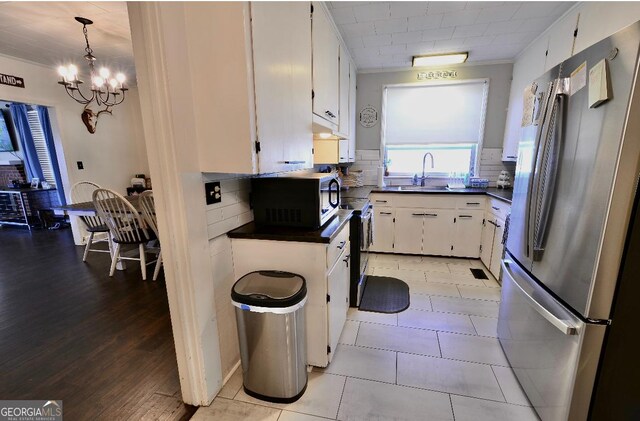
point(68, 331)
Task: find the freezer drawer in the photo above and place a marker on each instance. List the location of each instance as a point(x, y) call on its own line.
point(554, 354)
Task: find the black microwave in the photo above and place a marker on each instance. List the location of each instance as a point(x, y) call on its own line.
point(305, 201)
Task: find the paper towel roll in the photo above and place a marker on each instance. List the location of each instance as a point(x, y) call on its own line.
point(380, 177)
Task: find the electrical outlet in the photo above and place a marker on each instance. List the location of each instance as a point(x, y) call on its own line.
point(80, 165)
point(213, 192)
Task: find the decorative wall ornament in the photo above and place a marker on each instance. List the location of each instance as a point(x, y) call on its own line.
point(368, 116)
point(90, 118)
point(106, 90)
point(438, 74)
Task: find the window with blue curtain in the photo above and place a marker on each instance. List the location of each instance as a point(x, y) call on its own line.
point(38, 144)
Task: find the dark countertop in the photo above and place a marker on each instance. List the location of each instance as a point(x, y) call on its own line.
point(501, 194)
point(322, 235)
point(357, 192)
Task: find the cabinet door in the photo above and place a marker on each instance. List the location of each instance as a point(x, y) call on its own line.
point(283, 103)
point(352, 112)
point(488, 231)
point(437, 232)
point(343, 111)
point(338, 296)
point(408, 231)
point(343, 150)
point(525, 71)
point(467, 233)
point(325, 65)
point(498, 247)
point(383, 228)
point(561, 38)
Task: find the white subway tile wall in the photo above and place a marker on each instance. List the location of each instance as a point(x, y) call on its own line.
point(368, 161)
point(491, 165)
point(234, 210)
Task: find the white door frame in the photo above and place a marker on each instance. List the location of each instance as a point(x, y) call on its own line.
point(162, 64)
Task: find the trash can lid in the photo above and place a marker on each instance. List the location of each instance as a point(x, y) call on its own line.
point(269, 288)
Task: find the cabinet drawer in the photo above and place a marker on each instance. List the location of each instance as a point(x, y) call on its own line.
point(378, 200)
point(471, 202)
point(337, 246)
point(426, 201)
point(498, 208)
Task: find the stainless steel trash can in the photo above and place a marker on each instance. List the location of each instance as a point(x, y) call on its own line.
point(272, 334)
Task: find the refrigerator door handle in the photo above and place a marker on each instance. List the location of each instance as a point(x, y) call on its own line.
point(561, 325)
point(550, 158)
point(533, 179)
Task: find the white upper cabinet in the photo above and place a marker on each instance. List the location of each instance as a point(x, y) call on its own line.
point(325, 66)
point(282, 40)
point(525, 71)
point(561, 39)
point(352, 112)
point(260, 90)
point(343, 111)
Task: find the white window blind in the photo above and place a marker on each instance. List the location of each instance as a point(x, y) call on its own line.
point(41, 147)
point(439, 113)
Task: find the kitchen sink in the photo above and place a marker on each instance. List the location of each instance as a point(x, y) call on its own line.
point(425, 188)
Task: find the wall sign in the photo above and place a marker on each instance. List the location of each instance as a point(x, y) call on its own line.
point(10, 80)
point(438, 74)
point(368, 116)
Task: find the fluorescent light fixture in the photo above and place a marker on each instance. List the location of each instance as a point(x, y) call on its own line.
point(324, 135)
point(440, 59)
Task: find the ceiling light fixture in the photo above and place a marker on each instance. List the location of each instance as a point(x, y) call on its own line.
point(440, 59)
point(106, 90)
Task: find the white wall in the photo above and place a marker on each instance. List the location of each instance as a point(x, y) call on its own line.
point(597, 20)
point(111, 156)
point(370, 87)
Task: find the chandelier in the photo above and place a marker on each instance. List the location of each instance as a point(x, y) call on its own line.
point(106, 90)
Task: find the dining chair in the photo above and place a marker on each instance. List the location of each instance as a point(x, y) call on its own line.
point(125, 224)
point(82, 192)
point(148, 210)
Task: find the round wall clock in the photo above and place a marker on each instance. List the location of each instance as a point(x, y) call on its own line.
point(368, 116)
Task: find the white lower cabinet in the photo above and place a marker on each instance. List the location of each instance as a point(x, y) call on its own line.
point(383, 229)
point(498, 248)
point(407, 232)
point(467, 233)
point(492, 236)
point(325, 268)
point(430, 224)
point(437, 232)
point(338, 296)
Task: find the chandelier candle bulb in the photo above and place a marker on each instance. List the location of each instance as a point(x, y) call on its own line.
point(104, 73)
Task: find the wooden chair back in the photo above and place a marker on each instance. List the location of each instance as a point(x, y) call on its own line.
point(148, 210)
point(82, 192)
point(124, 221)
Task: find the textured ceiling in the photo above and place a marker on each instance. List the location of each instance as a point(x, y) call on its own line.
point(388, 34)
point(46, 33)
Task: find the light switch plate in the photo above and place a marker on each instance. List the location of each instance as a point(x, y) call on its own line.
point(213, 192)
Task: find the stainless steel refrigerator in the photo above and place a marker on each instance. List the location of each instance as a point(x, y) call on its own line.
point(570, 224)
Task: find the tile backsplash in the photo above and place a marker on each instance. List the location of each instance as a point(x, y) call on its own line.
point(368, 160)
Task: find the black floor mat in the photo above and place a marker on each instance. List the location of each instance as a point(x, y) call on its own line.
point(385, 295)
point(479, 274)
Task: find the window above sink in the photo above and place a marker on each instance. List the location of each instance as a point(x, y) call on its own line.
point(444, 120)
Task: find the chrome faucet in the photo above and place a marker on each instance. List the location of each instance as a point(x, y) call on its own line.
point(424, 161)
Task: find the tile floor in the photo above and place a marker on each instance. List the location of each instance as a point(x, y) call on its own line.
point(437, 360)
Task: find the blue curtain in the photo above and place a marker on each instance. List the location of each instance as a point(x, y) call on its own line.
point(21, 122)
point(43, 115)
